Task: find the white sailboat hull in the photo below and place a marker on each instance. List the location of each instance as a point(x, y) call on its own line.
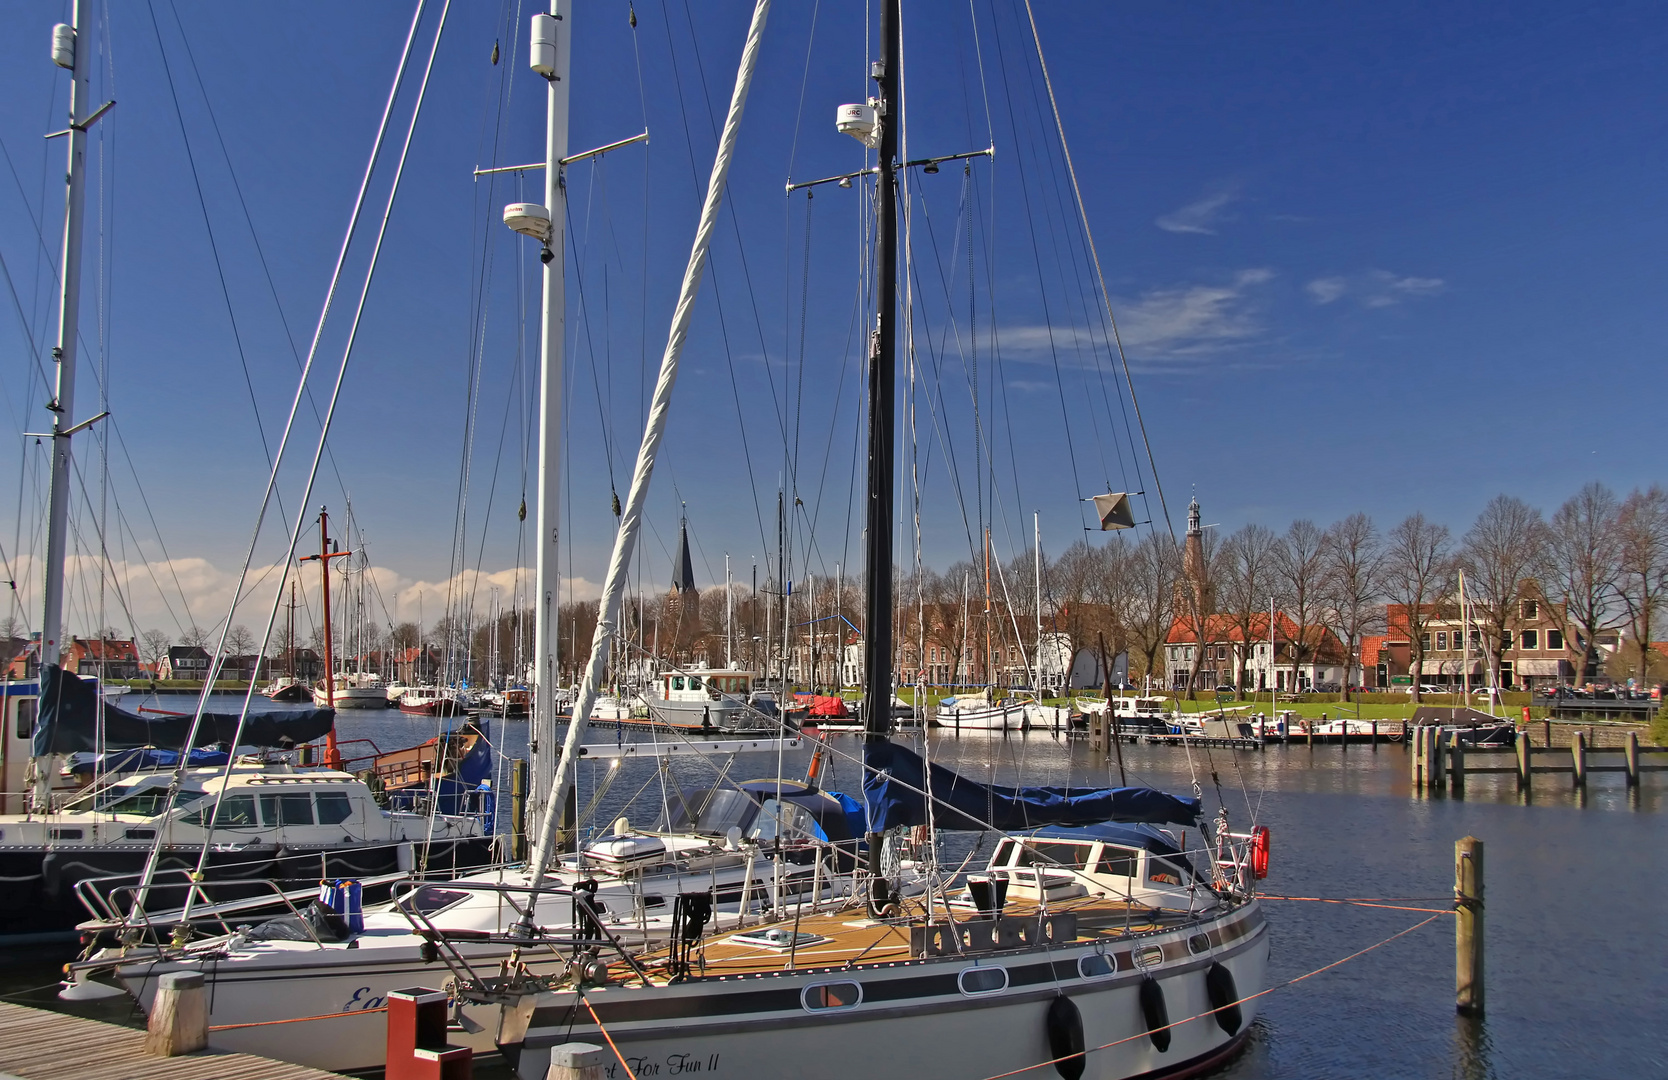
point(912, 1019)
point(995, 718)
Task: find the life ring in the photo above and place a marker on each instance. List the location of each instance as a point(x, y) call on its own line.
point(1224, 998)
point(1065, 1037)
point(1259, 852)
point(1156, 1013)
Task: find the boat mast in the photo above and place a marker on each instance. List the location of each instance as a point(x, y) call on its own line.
point(877, 551)
point(552, 37)
point(1036, 532)
point(332, 756)
point(68, 51)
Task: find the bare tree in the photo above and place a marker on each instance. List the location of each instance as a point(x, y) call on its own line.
point(1248, 586)
point(1499, 554)
point(1643, 532)
point(11, 627)
point(193, 635)
point(1582, 567)
point(1154, 564)
point(153, 646)
point(1301, 569)
point(1416, 573)
point(1352, 561)
point(239, 641)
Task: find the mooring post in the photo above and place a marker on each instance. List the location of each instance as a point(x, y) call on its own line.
point(1546, 732)
point(577, 1061)
point(1375, 735)
point(1439, 756)
point(1468, 926)
point(518, 810)
point(178, 1023)
point(1525, 754)
point(1456, 765)
point(1405, 730)
point(1413, 753)
point(1632, 759)
point(1578, 757)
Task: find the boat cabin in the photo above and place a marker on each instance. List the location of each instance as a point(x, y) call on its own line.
point(705, 684)
point(1136, 863)
point(18, 702)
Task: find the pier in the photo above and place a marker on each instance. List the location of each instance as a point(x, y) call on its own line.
point(43, 1045)
point(1436, 762)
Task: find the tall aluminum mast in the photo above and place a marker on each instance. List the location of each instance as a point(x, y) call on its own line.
point(69, 50)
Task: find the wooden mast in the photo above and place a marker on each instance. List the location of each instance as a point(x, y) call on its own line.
point(332, 755)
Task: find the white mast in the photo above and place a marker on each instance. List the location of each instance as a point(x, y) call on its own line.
point(1036, 534)
point(625, 540)
point(68, 51)
point(729, 616)
point(551, 40)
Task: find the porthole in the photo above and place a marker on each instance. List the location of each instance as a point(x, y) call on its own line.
point(983, 980)
point(1198, 943)
point(1149, 956)
point(824, 997)
point(1096, 966)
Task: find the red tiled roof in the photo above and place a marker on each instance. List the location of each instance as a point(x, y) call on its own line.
point(1370, 648)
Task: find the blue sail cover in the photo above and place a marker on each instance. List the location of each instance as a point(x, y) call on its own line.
point(69, 719)
point(896, 777)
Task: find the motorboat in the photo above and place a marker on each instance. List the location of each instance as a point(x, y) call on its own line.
point(707, 700)
point(431, 701)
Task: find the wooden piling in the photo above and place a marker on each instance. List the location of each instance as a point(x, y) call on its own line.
point(1468, 926)
point(1633, 759)
point(1438, 756)
point(577, 1061)
point(1375, 735)
point(1578, 757)
point(1546, 732)
point(1414, 755)
point(1525, 755)
point(1456, 766)
point(518, 810)
point(178, 1023)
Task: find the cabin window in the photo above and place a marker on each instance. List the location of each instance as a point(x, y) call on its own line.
point(1042, 853)
point(1117, 861)
point(1555, 639)
point(786, 821)
point(982, 980)
point(839, 995)
point(429, 900)
point(236, 811)
point(1162, 871)
point(146, 803)
point(288, 808)
point(677, 682)
point(1096, 966)
point(334, 807)
point(1004, 852)
point(26, 717)
point(694, 682)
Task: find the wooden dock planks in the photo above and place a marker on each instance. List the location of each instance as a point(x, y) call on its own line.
point(40, 1045)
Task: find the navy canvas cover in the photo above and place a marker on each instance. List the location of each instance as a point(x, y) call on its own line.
point(896, 778)
point(69, 717)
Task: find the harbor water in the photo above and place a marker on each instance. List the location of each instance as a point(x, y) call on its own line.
point(1574, 904)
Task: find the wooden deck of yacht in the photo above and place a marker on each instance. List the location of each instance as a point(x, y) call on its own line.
point(848, 937)
point(40, 1045)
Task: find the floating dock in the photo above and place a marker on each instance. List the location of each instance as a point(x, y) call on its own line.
point(40, 1045)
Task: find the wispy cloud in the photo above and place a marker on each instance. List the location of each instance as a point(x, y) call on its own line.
point(1373, 288)
point(1169, 323)
point(1198, 217)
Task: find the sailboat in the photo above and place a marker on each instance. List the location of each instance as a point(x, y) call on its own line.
point(1093, 944)
point(338, 691)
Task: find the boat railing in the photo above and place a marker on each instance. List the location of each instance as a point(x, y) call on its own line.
point(588, 936)
point(118, 905)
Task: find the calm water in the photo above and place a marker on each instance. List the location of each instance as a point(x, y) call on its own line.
point(1576, 914)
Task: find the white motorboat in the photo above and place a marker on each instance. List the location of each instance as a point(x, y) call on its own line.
point(708, 700)
point(982, 714)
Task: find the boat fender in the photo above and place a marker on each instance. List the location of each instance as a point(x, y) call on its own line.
point(1155, 1013)
point(1065, 1037)
point(1259, 852)
point(1224, 998)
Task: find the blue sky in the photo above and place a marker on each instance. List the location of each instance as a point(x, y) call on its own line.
point(1362, 258)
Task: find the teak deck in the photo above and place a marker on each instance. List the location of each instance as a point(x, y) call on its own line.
point(39, 1045)
point(855, 939)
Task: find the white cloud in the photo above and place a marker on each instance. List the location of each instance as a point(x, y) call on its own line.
point(1373, 288)
point(1198, 217)
point(1326, 290)
point(169, 595)
point(1164, 323)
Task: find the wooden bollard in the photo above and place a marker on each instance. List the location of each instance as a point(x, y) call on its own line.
point(1439, 758)
point(1578, 757)
point(1468, 926)
point(576, 1061)
point(1414, 754)
point(1456, 766)
point(178, 1023)
point(1632, 759)
point(1546, 732)
point(1375, 735)
point(1525, 756)
point(1309, 730)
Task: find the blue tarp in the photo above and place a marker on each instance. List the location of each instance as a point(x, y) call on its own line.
point(896, 777)
point(141, 759)
point(69, 720)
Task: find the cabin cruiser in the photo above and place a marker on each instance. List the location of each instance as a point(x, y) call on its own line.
point(759, 847)
point(707, 700)
point(431, 701)
point(984, 713)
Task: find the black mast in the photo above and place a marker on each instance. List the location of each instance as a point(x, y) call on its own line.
point(877, 614)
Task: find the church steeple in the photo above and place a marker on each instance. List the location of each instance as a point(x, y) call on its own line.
point(1193, 526)
point(683, 571)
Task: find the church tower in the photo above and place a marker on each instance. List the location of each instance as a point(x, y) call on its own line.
point(683, 602)
point(1195, 579)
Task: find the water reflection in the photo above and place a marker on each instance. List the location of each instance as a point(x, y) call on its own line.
point(1473, 1056)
